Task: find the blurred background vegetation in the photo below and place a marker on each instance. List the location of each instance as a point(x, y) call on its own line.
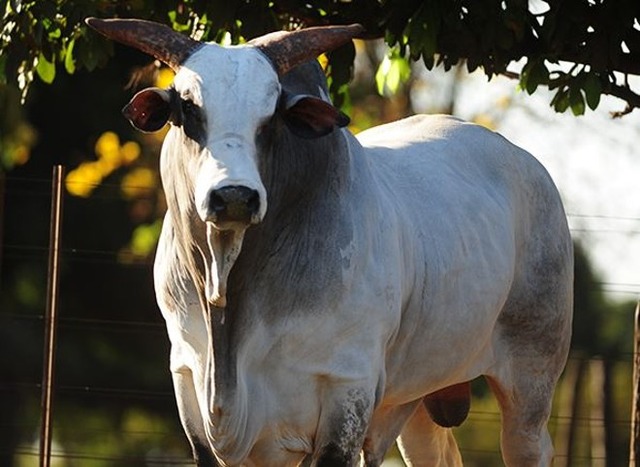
point(114, 403)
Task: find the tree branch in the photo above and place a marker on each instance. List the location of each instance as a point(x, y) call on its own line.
point(626, 94)
point(624, 63)
point(621, 92)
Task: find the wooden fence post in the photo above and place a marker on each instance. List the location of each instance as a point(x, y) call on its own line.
point(634, 451)
point(2, 196)
point(48, 372)
point(597, 422)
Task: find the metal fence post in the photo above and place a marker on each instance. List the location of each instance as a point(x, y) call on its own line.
point(48, 372)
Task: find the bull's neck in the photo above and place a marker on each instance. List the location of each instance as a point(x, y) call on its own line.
point(307, 223)
point(299, 172)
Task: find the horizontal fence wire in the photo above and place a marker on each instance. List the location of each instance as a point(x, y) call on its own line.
point(91, 390)
point(169, 460)
point(73, 255)
point(31, 427)
point(148, 459)
point(157, 460)
point(475, 415)
point(159, 327)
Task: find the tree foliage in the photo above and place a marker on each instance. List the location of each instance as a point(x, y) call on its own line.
point(581, 49)
point(106, 295)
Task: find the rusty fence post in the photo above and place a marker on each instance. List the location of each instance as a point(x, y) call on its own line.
point(634, 451)
point(51, 316)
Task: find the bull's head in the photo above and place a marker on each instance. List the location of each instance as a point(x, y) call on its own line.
point(220, 101)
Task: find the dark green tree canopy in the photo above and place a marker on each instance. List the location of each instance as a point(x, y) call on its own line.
point(579, 48)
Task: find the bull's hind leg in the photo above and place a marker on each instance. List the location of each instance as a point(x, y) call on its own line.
point(525, 405)
point(532, 337)
point(531, 348)
point(423, 443)
point(533, 331)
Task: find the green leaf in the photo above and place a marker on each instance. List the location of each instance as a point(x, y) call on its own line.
point(179, 21)
point(524, 75)
point(145, 237)
point(592, 89)
point(46, 70)
point(533, 74)
point(539, 75)
point(69, 63)
point(390, 38)
point(560, 101)
point(340, 72)
point(392, 72)
point(3, 70)
point(54, 34)
point(576, 101)
point(429, 61)
point(381, 74)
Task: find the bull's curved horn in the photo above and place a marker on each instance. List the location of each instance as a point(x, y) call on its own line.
point(155, 39)
point(289, 49)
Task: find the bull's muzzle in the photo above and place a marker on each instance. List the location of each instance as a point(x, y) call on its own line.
point(233, 204)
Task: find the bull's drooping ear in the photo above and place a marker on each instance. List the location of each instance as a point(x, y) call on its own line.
point(311, 117)
point(149, 110)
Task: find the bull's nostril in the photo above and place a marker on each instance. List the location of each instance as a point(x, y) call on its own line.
point(216, 203)
point(253, 203)
point(233, 203)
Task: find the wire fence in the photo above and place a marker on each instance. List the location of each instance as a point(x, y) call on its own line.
point(37, 252)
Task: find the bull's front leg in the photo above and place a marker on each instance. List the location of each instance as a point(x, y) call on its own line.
point(191, 419)
point(344, 420)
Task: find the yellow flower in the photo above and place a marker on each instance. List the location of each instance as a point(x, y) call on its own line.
point(129, 152)
point(165, 78)
point(138, 182)
point(324, 61)
point(83, 180)
point(108, 148)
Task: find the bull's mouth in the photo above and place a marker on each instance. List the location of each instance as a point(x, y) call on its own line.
point(236, 216)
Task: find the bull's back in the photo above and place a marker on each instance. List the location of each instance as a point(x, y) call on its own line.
point(440, 166)
point(450, 180)
point(446, 149)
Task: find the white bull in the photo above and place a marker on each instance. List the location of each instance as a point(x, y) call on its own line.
point(326, 295)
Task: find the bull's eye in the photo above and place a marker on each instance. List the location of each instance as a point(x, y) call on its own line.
point(193, 121)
